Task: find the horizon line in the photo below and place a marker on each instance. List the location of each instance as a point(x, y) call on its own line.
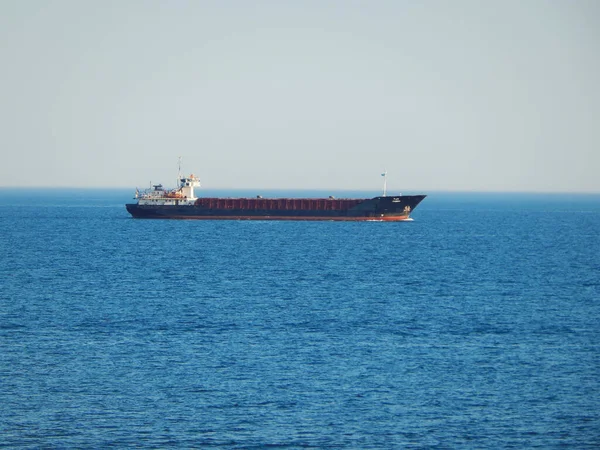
point(424, 191)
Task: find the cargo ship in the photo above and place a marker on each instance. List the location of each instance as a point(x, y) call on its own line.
point(181, 203)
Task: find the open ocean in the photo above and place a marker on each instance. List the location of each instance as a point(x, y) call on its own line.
point(477, 325)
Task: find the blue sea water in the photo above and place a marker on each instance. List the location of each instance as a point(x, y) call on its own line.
point(474, 326)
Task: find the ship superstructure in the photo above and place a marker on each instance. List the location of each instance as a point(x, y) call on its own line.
point(181, 196)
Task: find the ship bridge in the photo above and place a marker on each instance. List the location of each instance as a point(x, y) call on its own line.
point(187, 185)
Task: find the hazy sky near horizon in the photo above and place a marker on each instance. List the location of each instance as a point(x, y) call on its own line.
point(446, 95)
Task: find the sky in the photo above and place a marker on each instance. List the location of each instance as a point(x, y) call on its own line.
point(461, 95)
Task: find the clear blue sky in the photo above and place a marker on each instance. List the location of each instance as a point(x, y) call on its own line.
point(445, 95)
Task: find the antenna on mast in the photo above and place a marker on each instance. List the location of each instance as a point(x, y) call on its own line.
point(384, 175)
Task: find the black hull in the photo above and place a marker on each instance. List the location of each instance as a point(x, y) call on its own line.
point(378, 208)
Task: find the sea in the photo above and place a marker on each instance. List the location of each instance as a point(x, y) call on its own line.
point(476, 325)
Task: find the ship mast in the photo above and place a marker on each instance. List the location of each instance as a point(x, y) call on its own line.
point(178, 172)
point(384, 175)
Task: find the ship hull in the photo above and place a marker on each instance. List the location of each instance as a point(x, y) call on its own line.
point(375, 209)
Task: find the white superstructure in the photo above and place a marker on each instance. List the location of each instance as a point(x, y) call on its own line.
point(183, 195)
